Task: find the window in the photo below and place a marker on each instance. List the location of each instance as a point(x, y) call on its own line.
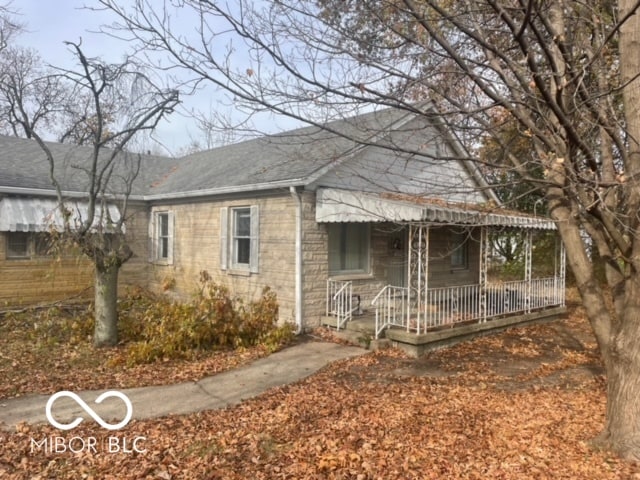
point(162, 235)
point(23, 245)
point(459, 250)
point(348, 248)
point(240, 248)
point(241, 237)
point(17, 245)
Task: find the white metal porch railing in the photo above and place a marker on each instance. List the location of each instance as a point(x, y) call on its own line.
point(340, 301)
point(391, 307)
point(448, 306)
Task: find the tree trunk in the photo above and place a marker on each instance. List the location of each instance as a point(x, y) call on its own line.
point(622, 428)
point(106, 307)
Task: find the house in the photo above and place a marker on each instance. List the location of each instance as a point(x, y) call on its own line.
point(379, 213)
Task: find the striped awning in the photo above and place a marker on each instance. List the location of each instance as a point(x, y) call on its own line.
point(19, 214)
point(336, 205)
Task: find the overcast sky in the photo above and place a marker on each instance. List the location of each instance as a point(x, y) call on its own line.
point(51, 22)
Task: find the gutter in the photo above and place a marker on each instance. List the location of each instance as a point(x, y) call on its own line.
point(42, 192)
point(298, 261)
point(226, 190)
point(165, 196)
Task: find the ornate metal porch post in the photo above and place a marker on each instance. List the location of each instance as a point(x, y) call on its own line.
point(528, 247)
point(409, 274)
point(484, 265)
point(418, 273)
point(425, 268)
point(561, 288)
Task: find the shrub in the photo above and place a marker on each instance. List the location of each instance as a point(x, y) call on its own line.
point(155, 328)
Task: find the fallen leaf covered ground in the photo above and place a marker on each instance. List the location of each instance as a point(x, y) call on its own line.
point(39, 355)
point(522, 404)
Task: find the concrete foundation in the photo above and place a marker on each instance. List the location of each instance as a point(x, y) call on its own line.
point(361, 331)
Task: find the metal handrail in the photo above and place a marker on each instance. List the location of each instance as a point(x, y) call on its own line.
point(340, 301)
point(386, 304)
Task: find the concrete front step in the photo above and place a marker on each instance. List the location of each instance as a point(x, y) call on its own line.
point(361, 323)
point(358, 331)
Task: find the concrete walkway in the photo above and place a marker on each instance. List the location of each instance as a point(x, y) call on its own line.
point(227, 388)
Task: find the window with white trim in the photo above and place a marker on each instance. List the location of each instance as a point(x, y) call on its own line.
point(162, 237)
point(241, 246)
point(239, 238)
point(348, 248)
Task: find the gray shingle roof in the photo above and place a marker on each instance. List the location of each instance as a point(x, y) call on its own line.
point(295, 157)
point(23, 164)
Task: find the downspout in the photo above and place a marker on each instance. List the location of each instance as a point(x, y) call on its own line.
point(298, 269)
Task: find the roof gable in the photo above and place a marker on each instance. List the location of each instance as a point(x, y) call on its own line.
point(415, 158)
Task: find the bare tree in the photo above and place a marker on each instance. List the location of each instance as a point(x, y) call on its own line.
point(24, 76)
point(32, 95)
point(101, 108)
point(564, 74)
point(10, 27)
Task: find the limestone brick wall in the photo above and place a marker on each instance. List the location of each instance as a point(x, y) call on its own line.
point(315, 264)
point(440, 272)
point(197, 246)
point(135, 271)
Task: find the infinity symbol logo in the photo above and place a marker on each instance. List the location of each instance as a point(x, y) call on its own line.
point(89, 410)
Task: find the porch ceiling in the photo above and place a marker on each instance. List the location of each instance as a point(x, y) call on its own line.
point(336, 205)
point(42, 214)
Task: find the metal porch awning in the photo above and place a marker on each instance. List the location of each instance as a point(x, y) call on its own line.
point(42, 214)
point(337, 205)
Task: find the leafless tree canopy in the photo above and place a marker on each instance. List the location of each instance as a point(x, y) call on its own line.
point(100, 108)
point(556, 78)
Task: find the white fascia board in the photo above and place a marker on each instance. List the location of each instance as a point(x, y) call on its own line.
point(285, 184)
point(42, 192)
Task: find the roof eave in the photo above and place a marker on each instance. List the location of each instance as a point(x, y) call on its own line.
point(44, 192)
point(283, 184)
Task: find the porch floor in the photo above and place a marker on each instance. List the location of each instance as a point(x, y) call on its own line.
point(361, 331)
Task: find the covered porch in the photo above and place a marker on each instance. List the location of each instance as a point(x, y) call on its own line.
point(419, 308)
